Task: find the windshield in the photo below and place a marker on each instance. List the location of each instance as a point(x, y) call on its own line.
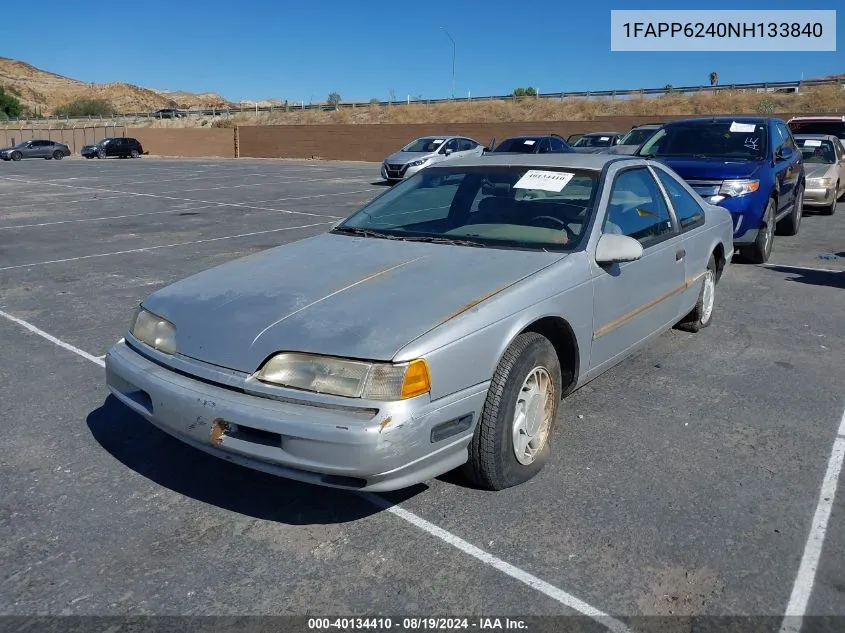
point(637, 136)
point(102, 142)
point(816, 150)
point(22, 144)
point(504, 207)
point(597, 140)
point(520, 145)
point(426, 145)
point(721, 139)
point(834, 128)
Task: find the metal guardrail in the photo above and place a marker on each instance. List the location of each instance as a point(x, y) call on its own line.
point(778, 86)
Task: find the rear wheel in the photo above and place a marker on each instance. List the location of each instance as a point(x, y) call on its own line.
point(759, 252)
point(58, 155)
point(791, 223)
point(510, 444)
point(134, 153)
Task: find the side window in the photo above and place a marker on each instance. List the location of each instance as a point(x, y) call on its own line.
point(545, 146)
point(637, 208)
point(686, 208)
point(557, 145)
point(788, 140)
point(452, 145)
point(778, 139)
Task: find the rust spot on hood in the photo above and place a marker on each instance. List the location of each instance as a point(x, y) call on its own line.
point(218, 430)
point(473, 303)
point(384, 423)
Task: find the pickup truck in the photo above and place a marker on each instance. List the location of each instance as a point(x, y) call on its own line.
point(749, 165)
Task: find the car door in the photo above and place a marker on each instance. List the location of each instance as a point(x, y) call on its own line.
point(451, 146)
point(30, 150)
point(633, 300)
point(787, 170)
point(115, 147)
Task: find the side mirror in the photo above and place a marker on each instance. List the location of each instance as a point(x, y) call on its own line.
point(785, 153)
point(447, 152)
point(614, 249)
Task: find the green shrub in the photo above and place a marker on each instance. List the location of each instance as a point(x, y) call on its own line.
point(86, 107)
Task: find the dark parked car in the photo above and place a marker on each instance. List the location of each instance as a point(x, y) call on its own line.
point(597, 142)
point(542, 144)
point(749, 165)
point(122, 147)
point(35, 149)
point(168, 113)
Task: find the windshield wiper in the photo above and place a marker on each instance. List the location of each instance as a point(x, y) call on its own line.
point(430, 239)
point(348, 230)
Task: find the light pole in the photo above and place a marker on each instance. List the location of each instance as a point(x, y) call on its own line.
point(453, 59)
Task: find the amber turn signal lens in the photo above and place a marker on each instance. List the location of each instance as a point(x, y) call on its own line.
point(417, 379)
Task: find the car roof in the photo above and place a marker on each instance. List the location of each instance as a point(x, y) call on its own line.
point(725, 119)
point(571, 160)
point(601, 133)
point(530, 136)
point(648, 125)
point(828, 117)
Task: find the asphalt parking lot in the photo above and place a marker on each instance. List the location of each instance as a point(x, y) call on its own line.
point(684, 482)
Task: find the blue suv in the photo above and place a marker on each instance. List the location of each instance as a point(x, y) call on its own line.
point(748, 165)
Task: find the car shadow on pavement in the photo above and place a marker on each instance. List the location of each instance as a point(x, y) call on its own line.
point(832, 279)
point(168, 462)
point(381, 183)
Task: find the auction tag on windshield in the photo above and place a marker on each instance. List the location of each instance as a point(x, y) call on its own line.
point(438, 141)
point(544, 180)
point(528, 142)
point(742, 127)
point(604, 138)
point(811, 142)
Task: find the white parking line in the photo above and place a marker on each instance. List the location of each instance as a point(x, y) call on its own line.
point(94, 359)
point(263, 184)
point(803, 586)
point(547, 589)
point(810, 268)
point(317, 195)
point(100, 219)
point(153, 195)
point(152, 248)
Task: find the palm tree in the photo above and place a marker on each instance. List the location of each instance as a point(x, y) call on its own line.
point(714, 79)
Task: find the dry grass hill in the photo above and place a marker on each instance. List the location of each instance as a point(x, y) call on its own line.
point(44, 91)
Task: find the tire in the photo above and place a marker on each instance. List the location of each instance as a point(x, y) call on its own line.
point(134, 153)
point(101, 154)
point(702, 314)
point(48, 158)
point(832, 208)
point(792, 223)
point(16, 156)
point(530, 363)
point(58, 155)
point(759, 252)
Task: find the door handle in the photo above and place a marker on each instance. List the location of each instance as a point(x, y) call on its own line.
point(680, 254)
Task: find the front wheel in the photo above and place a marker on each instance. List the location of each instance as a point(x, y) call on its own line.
point(791, 223)
point(510, 444)
point(16, 156)
point(761, 249)
point(702, 313)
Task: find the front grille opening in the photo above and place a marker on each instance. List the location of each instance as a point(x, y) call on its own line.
point(255, 436)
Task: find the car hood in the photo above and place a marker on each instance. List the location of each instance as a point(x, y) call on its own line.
point(623, 149)
point(333, 294)
point(712, 168)
point(407, 157)
point(6, 149)
point(591, 150)
point(817, 170)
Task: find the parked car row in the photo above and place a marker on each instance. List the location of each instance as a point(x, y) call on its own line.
point(108, 147)
point(763, 170)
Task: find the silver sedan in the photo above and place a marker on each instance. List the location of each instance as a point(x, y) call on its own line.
point(824, 169)
point(440, 326)
point(425, 152)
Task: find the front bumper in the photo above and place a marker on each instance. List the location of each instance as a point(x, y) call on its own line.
point(399, 172)
point(819, 197)
point(385, 448)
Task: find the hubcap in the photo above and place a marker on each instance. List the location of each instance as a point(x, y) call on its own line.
point(799, 208)
point(708, 296)
point(532, 416)
point(767, 236)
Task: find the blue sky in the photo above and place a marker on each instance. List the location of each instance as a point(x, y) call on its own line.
point(282, 49)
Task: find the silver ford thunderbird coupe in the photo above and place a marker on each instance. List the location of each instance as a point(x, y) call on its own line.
point(440, 326)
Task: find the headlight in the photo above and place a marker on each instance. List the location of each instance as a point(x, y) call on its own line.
point(736, 188)
point(156, 332)
point(417, 163)
point(820, 182)
point(349, 378)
